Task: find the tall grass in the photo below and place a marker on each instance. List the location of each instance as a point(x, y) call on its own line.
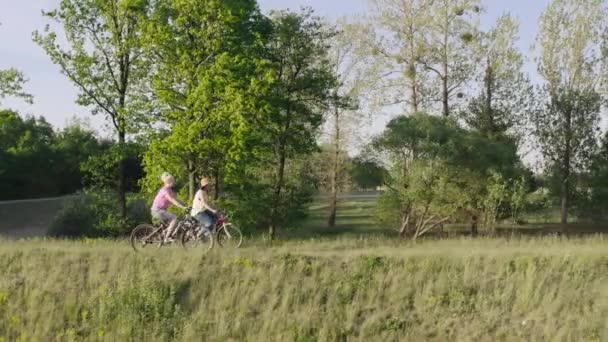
point(315, 290)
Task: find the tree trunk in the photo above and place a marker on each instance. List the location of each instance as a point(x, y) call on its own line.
point(333, 205)
point(277, 196)
point(488, 110)
point(414, 88)
point(405, 222)
point(445, 77)
point(191, 180)
point(122, 181)
point(446, 94)
point(565, 189)
point(474, 224)
point(565, 181)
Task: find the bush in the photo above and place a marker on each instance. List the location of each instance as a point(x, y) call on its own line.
point(76, 218)
point(97, 214)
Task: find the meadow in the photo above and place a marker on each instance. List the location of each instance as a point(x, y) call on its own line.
point(356, 282)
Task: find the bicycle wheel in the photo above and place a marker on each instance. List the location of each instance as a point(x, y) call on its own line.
point(229, 236)
point(145, 235)
point(190, 240)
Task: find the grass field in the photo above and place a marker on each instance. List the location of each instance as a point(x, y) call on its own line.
point(328, 289)
point(355, 282)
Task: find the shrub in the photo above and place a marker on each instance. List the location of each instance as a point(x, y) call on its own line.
point(76, 218)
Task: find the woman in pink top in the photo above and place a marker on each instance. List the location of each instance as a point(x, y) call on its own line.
point(163, 200)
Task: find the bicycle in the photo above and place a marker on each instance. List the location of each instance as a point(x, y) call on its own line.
point(153, 234)
point(224, 232)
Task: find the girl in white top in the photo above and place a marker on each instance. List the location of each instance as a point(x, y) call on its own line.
point(202, 209)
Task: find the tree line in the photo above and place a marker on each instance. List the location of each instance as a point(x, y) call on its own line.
point(217, 88)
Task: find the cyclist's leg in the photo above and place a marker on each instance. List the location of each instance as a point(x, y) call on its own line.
point(170, 219)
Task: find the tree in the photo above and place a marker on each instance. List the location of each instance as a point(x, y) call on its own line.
point(343, 110)
point(304, 81)
point(72, 147)
point(505, 92)
point(440, 172)
point(105, 60)
point(570, 62)
point(366, 174)
point(453, 28)
point(11, 84)
point(395, 38)
point(26, 157)
point(209, 78)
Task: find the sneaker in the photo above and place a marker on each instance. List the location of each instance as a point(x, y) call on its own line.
point(168, 241)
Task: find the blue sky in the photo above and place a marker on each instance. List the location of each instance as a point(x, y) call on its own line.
point(54, 95)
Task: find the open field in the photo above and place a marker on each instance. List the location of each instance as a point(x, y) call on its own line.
point(27, 218)
point(355, 282)
point(340, 289)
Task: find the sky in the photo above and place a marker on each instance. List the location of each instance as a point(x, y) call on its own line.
point(54, 95)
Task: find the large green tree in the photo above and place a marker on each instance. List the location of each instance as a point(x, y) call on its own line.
point(103, 57)
point(209, 77)
point(571, 63)
point(300, 95)
point(344, 113)
point(440, 172)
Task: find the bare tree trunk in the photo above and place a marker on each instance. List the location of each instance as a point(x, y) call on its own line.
point(405, 222)
point(565, 181)
point(191, 180)
point(489, 113)
point(277, 197)
point(565, 189)
point(474, 224)
point(333, 205)
point(122, 181)
point(413, 87)
point(446, 94)
point(445, 77)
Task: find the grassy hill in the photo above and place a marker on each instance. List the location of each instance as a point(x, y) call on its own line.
point(307, 290)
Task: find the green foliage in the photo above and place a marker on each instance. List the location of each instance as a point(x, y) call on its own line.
point(250, 201)
point(76, 218)
point(37, 161)
point(366, 174)
point(592, 195)
point(209, 79)
point(11, 84)
point(102, 170)
point(442, 173)
point(103, 56)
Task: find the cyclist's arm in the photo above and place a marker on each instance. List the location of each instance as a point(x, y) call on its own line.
point(176, 202)
point(207, 205)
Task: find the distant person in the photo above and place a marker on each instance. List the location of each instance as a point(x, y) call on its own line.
point(163, 200)
point(202, 208)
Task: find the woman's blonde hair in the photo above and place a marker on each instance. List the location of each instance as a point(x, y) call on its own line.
point(167, 178)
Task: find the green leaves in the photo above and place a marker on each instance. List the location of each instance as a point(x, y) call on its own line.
point(11, 84)
point(441, 172)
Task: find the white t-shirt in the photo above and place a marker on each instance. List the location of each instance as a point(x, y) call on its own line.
point(200, 202)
